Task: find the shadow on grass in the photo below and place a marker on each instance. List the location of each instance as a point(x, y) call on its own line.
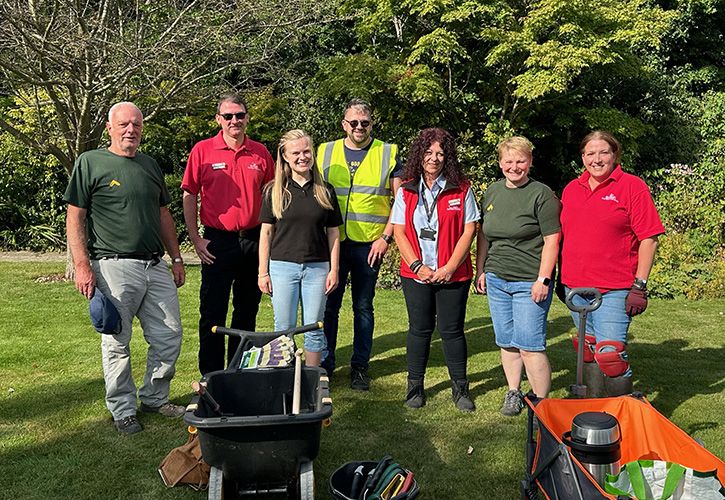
point(437, 452)
point(92, 460)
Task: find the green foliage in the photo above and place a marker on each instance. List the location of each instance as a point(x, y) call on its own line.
point(176, 207)
point(32, 213)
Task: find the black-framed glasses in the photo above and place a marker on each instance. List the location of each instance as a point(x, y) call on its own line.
point(355, 123)
point(229, 116)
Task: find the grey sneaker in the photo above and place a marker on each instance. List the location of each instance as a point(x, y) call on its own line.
point(129, 425)
point(359, 379)
point(513, 403)
point(167, 410)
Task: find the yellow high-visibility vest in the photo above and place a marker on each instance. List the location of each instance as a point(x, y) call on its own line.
point(364, 198)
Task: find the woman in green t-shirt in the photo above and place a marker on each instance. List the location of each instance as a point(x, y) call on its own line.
point(517, 249)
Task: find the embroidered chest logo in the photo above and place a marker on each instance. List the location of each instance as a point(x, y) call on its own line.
point(254, 166)
point(114, 183)
point(489, 208)
point(610, 197)
point(454, 204)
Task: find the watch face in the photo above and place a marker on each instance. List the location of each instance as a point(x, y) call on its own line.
point(546, 281)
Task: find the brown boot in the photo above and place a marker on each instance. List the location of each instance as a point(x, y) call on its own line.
point(618, 386)
point(594, 380)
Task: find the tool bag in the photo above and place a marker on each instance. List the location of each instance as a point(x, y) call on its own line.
point(383, 480)
point(184, 465)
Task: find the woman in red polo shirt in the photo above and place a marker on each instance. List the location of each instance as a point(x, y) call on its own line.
point(609, 228)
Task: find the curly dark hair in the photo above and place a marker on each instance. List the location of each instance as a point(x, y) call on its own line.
point(451, 168)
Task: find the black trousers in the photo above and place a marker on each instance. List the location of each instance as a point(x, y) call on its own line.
point(441, 305)
point(234, 272)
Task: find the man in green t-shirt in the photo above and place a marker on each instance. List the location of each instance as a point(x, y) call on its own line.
point(118, 226)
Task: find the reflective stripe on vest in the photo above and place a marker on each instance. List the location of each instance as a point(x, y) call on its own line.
point(365, 205)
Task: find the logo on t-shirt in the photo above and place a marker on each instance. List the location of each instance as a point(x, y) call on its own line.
point(489, 208)
point(610, 197)
point(254, 166)
point(454, 204)
point(114, 183)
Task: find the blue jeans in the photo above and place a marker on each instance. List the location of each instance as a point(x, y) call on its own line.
point(295, 285)
point(518, 321)
point(353, 263)
point(610, 321)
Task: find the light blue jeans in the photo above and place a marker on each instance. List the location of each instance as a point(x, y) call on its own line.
point(518, 321)
point(610, 321)
point(295, 285)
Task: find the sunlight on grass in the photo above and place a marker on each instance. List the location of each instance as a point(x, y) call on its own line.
point(57, 440)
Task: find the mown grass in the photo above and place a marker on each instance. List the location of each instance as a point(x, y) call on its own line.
point(57, 440)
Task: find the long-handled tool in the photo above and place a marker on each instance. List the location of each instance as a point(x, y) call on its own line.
point(578, 389)
point(298, 383)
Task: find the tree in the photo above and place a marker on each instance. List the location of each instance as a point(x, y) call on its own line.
point(66, 61)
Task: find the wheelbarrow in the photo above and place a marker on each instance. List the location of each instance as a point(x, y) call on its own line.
point(248, 432)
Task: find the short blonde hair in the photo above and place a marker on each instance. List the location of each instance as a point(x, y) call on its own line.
point(515, 143)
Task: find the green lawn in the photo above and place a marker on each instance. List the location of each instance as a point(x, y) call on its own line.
point(57, 440)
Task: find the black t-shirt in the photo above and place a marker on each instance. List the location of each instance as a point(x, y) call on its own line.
point(300, 236)
point(354, 157)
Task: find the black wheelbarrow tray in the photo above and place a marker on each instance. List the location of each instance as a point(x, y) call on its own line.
point(256, 445)
point(553, 472)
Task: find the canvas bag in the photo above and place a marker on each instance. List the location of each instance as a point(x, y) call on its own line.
point(184, 465)
point(658, 480)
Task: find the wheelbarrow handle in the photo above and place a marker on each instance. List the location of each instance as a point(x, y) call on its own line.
point(244, 333)
point(585, 307)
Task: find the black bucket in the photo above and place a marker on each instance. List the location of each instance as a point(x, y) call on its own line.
point(341, 481)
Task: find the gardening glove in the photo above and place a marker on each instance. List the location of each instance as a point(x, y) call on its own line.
point(636, 301)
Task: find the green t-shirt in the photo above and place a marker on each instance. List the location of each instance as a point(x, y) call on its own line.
point(514, 223)
point(123, 197)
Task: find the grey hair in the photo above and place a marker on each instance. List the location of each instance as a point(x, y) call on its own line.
point(121, 104)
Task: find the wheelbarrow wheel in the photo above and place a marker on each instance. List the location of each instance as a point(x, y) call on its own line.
point(307, 481)
point(216, 484)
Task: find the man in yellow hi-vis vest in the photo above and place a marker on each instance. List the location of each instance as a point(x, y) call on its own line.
point(365, 174)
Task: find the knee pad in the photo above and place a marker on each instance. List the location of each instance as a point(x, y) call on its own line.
point(611, 356)
point(589, 342)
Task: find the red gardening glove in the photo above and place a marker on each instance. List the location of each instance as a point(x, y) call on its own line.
point(636, 302)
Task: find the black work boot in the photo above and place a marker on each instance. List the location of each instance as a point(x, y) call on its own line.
point(594, 379)
point(415, 398)
point(618, 386)
point(461, 397)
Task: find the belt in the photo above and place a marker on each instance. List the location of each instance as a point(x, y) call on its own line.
point(245, 234)
point(154, 257)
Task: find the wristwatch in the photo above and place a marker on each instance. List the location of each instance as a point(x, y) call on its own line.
point(543, 279)
point(177, 260)
point(639, 284)
point(387, 238)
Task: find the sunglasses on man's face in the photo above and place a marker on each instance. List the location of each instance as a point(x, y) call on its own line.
point(229, 116)
point(355, 123)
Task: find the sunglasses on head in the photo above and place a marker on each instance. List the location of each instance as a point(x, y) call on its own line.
point(355, 123)
point(229, 116)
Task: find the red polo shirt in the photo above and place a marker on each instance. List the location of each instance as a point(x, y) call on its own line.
point(601, 230)
point(230, 182)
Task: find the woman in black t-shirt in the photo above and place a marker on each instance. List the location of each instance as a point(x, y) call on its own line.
point(299, 244)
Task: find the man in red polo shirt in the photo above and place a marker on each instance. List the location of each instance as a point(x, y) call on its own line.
point(228, 172)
